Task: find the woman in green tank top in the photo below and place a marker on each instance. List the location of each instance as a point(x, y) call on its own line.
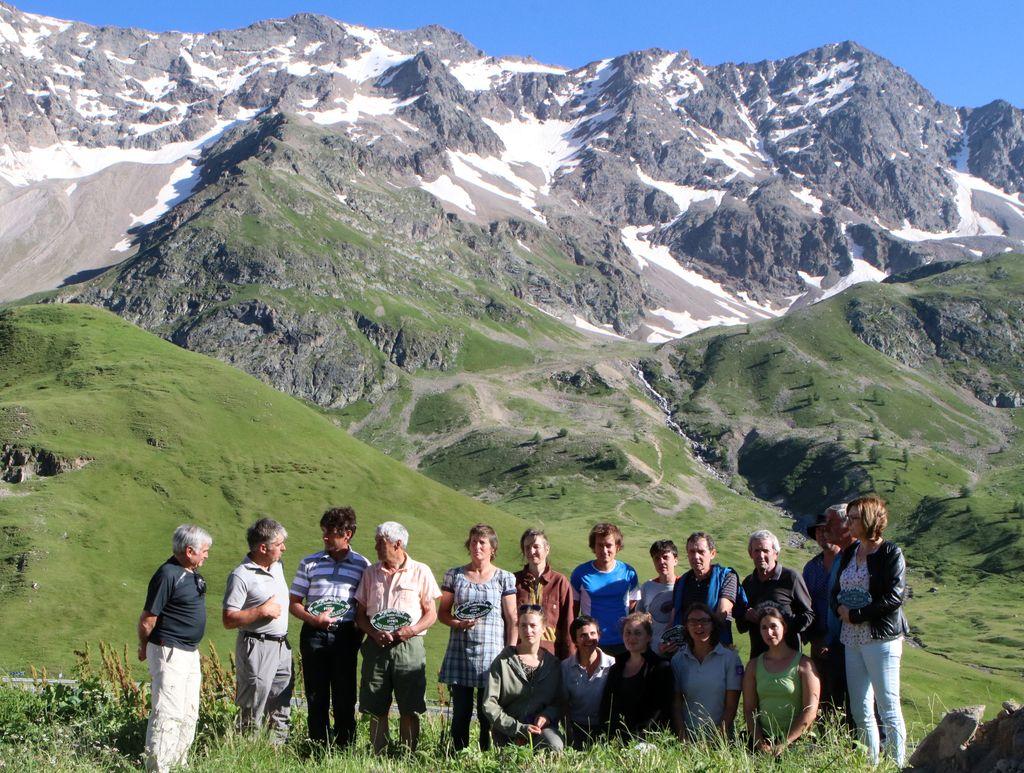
point(780, 689)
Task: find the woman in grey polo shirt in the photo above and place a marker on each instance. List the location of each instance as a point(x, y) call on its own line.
point(708, 678)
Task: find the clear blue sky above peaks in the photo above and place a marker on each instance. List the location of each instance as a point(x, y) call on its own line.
point(966, 53)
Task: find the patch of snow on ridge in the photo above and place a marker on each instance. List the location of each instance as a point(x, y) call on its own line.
point(368, 64)
point(471, 168)
point(548, 145)
point(179, 187)
point(733, 153)
point(447, 190)
point(683, 323)
point(359, 104)
point(971, 222)
point(813, 281)
point(683, 195)
point(480, 74)
point(67, 160)
point(590, 327)
point(809, 199)
point(739, 307)
point(862, 272)
point(659, 255)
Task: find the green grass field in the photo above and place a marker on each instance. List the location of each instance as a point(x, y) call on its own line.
point(174, 437)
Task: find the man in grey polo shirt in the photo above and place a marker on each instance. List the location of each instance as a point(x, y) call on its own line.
point(584, 676)
point(255, 602)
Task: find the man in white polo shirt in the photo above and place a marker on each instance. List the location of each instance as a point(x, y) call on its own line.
point(255, 602)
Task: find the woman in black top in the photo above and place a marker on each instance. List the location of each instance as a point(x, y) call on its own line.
point(638, 696)
point(868, 598)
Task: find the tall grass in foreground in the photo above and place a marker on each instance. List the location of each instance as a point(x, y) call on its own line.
point(99, 725)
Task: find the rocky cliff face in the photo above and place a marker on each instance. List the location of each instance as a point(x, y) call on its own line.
point(648, 194)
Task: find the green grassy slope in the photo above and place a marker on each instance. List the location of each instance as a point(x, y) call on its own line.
point(175, 437)
point(807, 412)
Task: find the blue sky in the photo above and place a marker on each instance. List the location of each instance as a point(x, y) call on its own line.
point(965, 53)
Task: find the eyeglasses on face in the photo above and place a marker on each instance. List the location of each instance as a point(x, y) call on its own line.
point(699, 622)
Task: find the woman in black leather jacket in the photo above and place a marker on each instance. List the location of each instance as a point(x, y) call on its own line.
point(869, 600)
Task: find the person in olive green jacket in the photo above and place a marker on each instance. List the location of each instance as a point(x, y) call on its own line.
point(523, 686)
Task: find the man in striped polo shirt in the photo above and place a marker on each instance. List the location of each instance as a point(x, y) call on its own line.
point(322, 596)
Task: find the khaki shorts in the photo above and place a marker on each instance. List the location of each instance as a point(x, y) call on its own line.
point(401, 669)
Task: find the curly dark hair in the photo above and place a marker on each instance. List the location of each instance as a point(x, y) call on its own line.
point(339, 519)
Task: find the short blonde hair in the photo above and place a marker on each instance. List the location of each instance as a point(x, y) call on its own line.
point(873, 513)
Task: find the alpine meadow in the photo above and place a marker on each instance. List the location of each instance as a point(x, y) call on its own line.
point(306, 264)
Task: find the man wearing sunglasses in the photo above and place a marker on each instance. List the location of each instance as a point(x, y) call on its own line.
point(171, 625)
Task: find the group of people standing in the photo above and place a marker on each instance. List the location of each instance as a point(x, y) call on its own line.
point(541, 659)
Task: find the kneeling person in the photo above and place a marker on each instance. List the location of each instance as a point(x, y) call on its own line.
point(524, 686)
point(255, 602)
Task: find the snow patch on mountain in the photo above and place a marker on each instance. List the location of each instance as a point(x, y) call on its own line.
point(590, 327)
point(683, 195)
point(68, 160)
point(972, 223)
point(548, 145)
point(448, 190)
point(809, 199)
point(179, 187)
point(352, 109)
point(862, 271)
point(482, 74)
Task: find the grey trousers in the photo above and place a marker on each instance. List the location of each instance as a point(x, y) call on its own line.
point(263, 685)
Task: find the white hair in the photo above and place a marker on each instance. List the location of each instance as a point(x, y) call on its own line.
point(764, 534)
point(840, 511)
point(393, 532)
point(188, 535)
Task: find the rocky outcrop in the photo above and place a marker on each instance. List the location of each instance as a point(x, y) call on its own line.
point(584, 381)
point(412, 348)
point(19, 463)
point(962, 743)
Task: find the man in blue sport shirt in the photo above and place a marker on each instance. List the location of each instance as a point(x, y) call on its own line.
point(605, 588)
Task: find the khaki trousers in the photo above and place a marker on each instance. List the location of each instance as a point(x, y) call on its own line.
point(175, 700)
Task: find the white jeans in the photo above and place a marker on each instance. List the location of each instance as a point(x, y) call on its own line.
point(873, 675)
point(175, 697)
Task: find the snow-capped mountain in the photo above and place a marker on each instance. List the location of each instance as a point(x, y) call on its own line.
point(730, 192)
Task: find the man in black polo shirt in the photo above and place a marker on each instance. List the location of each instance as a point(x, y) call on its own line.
point(771, 584)
point(171, 625)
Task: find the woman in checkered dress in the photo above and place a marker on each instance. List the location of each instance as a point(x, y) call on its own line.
point(474, 644)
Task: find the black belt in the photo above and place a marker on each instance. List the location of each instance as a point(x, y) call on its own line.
point(265, 636)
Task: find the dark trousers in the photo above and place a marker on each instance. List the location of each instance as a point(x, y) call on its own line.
point(834, 695)
point(329, 676)
point(462, 713)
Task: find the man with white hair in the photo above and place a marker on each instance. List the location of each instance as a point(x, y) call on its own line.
point(171, 625)
point(255, 602)
point(396, 607)
point(772, 584)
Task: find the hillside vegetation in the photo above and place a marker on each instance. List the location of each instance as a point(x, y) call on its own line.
point(149, 436)
point(891, 388)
